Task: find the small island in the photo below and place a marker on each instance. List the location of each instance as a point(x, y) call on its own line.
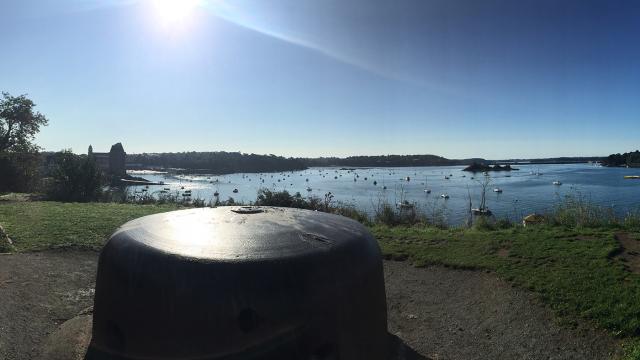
point(478, 167)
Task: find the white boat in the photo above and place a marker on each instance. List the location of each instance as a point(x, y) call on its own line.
point(405, 205)
point(498, 190)
point(444, 196)
point(481, 211)
point(557, 182)
point(427, 191)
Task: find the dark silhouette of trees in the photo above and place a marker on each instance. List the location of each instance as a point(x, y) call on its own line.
point(631, 159)
point(19, 171)
point(219, 162)
point(19, 159)
point(383, 161)
point(19, 123)
point(75, 178)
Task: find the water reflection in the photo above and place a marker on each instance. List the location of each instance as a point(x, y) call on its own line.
point(445, 190)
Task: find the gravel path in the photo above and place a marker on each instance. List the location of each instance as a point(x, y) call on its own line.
point(445, 313)
point(38, 292)
point(441, 313)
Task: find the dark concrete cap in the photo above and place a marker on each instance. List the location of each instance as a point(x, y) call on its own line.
point(240, 283)
point(238, 233)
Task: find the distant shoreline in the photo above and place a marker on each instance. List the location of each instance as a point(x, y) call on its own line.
point(221, 163)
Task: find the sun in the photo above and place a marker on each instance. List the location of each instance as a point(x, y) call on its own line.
point(174, 12)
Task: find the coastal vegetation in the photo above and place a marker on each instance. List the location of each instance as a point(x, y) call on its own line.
point(384, 161)
point(479, 167)
point(221, 162)
point(75, 178)
point(630, 159)
point(218, 162)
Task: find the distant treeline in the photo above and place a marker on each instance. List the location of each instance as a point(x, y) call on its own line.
point(231, 162)
point(631, 159)
point(385, 161)
point(219, 162)
point(557, 160)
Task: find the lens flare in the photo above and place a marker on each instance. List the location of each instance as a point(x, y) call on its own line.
point(174, 12)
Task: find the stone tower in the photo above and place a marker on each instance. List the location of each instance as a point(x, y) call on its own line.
point(117, 159)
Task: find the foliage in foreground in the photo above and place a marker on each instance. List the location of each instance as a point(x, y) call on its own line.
point(75, 178)
point(267, 197)
point(18, 171)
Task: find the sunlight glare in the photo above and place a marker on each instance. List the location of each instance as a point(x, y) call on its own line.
point(174, 12)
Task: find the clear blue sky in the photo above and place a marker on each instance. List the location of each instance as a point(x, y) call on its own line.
point(494, 79)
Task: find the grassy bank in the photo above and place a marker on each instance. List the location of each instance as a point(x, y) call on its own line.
point(41, 225)
point(577, 270)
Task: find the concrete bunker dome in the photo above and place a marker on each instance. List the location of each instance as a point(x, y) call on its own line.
point(240, 283)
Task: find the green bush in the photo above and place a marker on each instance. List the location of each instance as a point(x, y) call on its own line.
point(75, 178)
point(19, 171)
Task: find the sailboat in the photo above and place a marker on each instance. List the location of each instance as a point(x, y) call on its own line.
point(483, 210)
point(426, 190)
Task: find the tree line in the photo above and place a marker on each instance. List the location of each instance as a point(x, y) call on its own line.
point(222, 162)
point(382, 161)
point(218, 162)
point(631, 159)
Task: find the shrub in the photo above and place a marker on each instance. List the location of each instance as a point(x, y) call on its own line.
point(75, 178)
point(577, 211)
point(19, 171)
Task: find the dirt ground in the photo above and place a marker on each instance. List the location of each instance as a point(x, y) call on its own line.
point(38, 292)
point(629, 252)
point(441, 313)
point(444, 313)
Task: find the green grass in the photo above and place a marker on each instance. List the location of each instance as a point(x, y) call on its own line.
point(574, 271)
point(41, 225)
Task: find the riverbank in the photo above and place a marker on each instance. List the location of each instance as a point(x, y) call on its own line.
point(582, 274)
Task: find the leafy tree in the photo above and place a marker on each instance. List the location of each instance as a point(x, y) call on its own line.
point(19, 123)
point(75, 178)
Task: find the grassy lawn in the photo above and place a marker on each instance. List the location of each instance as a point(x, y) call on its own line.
point(41, 225)
point(574, 271)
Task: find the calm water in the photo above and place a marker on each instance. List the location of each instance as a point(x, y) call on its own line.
point(522, 191)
